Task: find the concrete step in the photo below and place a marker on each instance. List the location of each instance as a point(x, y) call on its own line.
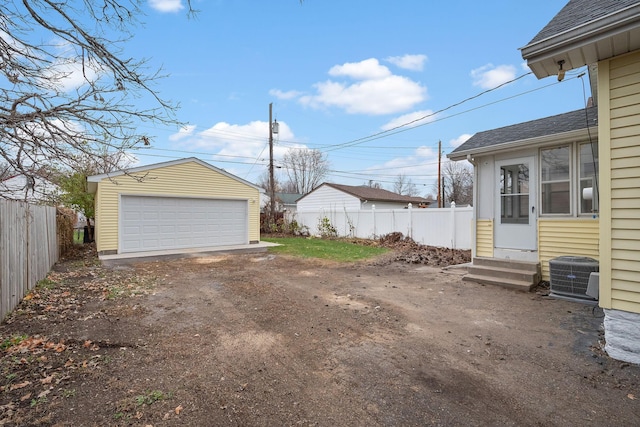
point(505, 273)
point(519, 285)
point(507, 263)
point(512, 274)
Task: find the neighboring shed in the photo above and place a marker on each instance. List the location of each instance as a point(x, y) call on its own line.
point(337, 196)
point(284, 201)
point(32, 189)
point(180, 204)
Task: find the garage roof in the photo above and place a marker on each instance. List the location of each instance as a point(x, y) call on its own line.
point(95, 179)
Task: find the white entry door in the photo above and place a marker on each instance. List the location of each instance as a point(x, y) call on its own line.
point(151, 223)
point(515, 213)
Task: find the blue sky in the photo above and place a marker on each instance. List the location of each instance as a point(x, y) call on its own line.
point(338, 72)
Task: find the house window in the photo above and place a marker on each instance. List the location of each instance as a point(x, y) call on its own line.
point(514, 194)
point(556, 180)
point(588, 178)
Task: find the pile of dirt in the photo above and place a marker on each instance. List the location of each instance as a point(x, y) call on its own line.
point(405, 249)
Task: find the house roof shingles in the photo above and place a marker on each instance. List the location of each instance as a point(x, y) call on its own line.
point(580, 12)
point(376, 194)
point(561, 123)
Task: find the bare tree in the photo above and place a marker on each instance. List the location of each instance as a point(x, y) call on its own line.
point(305, 168)
point(263, 181)
point(65, 89)
point(403, 185)
point(458, 182)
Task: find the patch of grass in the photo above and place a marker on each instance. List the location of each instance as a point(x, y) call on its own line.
point(46, 283)
point(11, 341)
point(336, 250)
point(37, 401)
point(78, 237)
point(150, 397)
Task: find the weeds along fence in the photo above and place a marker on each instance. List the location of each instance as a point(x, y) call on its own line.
point(446, 227)
point(28, 249)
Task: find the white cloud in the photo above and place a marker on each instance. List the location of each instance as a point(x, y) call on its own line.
point(490, 76)
point(409, 62)
point(184, 132)
point(459, 140)
point(422, 162)
point(291, 94)
point(369, 69)
point(411, 120)
point(375, 91)
point(68, 76)
point(166, 5)
point(241, 143)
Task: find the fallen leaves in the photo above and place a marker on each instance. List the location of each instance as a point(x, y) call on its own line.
point(35, 345)
point(19, 386)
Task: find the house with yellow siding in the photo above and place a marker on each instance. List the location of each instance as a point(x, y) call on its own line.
point(535, 189)
point(556, 182)
point(174, 205)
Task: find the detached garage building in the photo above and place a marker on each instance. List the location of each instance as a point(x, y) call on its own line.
point(174, 205)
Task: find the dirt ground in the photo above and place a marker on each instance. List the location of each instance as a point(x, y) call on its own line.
point(259, 339)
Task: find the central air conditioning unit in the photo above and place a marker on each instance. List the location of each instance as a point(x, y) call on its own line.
point(570, 278)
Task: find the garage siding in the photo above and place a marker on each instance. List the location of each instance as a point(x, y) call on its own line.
point(189, 179)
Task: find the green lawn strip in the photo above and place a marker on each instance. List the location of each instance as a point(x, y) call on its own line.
point(332, 249)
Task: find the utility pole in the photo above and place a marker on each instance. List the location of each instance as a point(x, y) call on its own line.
point(439, 179)
point(272, 187)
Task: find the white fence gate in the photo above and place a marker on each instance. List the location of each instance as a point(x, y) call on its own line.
point(446, 227)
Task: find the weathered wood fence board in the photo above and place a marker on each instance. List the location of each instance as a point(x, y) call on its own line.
point(28, 249)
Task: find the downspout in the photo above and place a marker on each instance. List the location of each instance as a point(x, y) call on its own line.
point(475, 206)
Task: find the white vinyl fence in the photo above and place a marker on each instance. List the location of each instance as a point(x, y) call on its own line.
point(28, 249)
point(446, 227)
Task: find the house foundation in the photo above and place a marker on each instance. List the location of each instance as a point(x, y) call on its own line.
point(622, 335)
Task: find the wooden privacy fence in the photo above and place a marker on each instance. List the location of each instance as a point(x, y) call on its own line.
point(446, 227)
point(28, 249)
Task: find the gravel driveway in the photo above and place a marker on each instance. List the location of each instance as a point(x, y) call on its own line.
point(259, 339)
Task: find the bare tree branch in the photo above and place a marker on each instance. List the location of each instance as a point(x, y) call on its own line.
point(305, 168)
point(75, 94)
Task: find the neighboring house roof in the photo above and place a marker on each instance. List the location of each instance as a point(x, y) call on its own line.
point(372, 194)
point(288, 199)
point(567, 125)
point(94, 179)
point(581, 34)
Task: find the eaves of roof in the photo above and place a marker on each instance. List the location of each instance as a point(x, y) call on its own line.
point(582, 33)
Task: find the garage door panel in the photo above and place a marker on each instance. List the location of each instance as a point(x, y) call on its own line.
point(157, 223)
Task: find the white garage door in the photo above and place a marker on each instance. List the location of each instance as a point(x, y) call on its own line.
point(161, 223)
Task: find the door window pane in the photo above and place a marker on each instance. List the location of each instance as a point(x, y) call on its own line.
point(514, 194)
